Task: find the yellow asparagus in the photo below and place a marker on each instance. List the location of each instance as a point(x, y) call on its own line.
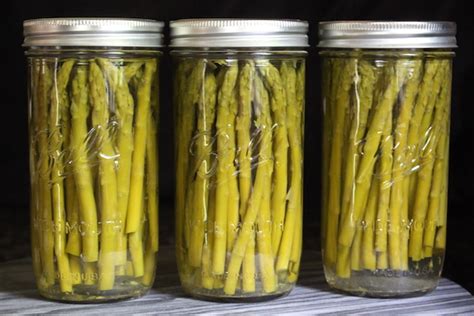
point(264, 244)
point(45, 207)
point(76, 270)
point(234, 198)
point(138, 158)
point(80, 162)
point(222, 194)
point(152, 177)
point(425, 173)
point(296, 247)
point(135, 241)
point(398, 200)
point(187, 95)
point(431, 221)
point(340, 104)
point(205, 120)
point(107, 175)
point(396, 75)
point(278, 103)
point(74, 244)
point(244, 141)
point(149, 263)
point(440, 239)
point(294, 112)
point(207, 279)
point(262, 181)
point(57, 169)
point(124, 109)
point(368, 254)
point(366, 78)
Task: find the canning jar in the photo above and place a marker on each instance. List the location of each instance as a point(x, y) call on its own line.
point(239, 104)
point(93, 111)
point(386, 98)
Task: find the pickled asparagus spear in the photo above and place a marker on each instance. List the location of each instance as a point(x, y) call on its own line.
point(58, 102)
point(90, 273)
point(425, 173)
point(296, 247)
point(355, 250)
point(385, 183)
point(131, 69)
point(234, 198)
point(340, 98)
point(224, 96)
point(80, 162)
point(207, 279)
point(288, 73)
point(278, 102)
point(440, 239)
point(205, 120)
point(76, 269)
point(138, 158)
point(107, 175)
point(264, 246)
point(149, 262)
point(431, 221)
point(135, 241)
point(264, 243)
point(399, 171)
point(368, 255)
point(45, 204)
point(187, 96)
point(381, 188)
point(262, 181)
point(366, 76)
point(118, 78)
point(243, 124)
point(288, 79)
point(244, 141)
point(152, 181)
point(426, 122)
point(248, 265)
point(74, 243)
point(425, 89)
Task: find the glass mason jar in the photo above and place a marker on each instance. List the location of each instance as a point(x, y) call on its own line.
point(239, 100)
point(93, 115)
point(386, 100)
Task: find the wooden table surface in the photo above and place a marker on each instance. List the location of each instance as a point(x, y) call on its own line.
point(311, 296)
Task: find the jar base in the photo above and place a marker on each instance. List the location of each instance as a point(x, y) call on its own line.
point(217, 295)
point(83, 294)
point(368, 284)
point(237, 299)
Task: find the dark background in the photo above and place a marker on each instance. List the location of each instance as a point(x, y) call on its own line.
point(14, 223)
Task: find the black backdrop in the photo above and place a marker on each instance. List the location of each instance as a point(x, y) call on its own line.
point(13, 106)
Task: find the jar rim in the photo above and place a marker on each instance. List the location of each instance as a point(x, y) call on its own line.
point(387, 34)
point(105, 32)
point(238, 33)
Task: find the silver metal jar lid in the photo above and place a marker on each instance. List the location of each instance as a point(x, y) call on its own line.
point(386, 34)
point(110, 32)
point(238, 33)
